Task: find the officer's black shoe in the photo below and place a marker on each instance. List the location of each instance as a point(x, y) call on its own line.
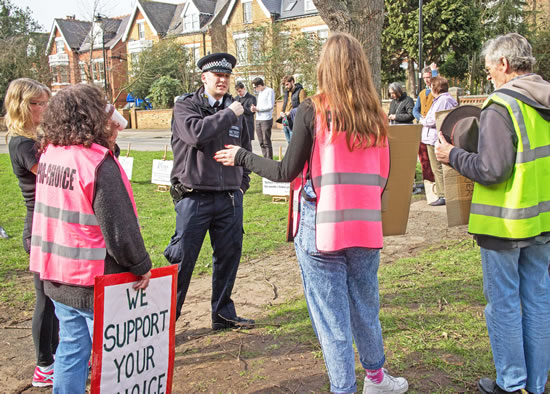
point(489, 386)
point(235, 322)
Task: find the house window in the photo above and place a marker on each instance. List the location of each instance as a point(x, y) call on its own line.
point(141, 30)
point(242, 50)
point(82, 67)
point(309, 6)
point(59, 45)
point(98, 71)
point(60, 74)
point(256, 51)
point(191, 22)
point(247, 12)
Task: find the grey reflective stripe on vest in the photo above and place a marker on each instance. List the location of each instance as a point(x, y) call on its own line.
point(510, 213)
point(66, 216)
point(349, 178)
point(69, 252)
point(519, 118)
point(533, 154)
point(348, 215)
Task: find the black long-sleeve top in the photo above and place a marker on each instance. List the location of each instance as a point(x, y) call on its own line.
point(297, 154)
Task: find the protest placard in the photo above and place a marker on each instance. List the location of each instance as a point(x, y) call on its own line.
point(127, 164)
point(161, 172)
point(134, 333)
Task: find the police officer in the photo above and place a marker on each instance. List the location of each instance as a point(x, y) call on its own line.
point(207, 195)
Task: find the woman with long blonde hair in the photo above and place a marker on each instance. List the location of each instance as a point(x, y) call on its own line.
point(25, 102)
point(338, 158)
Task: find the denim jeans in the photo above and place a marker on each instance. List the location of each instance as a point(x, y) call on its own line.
point(517, 289)
point(288, 133)
point(341, 291)
point(73, 352)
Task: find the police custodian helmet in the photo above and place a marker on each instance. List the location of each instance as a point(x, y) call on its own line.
point(217, 63)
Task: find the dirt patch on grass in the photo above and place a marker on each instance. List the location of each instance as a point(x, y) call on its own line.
point(252, 361)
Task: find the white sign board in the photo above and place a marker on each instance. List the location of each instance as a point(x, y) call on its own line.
point(127, 164)
point(276, 188)
point(161, 172)
point(134, 333)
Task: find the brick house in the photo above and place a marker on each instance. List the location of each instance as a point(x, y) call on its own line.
point(207, 26)
point(89, 52)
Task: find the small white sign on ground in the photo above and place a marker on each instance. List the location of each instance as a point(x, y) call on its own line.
point(127, 164)
point(275, 188)
point(161, 172)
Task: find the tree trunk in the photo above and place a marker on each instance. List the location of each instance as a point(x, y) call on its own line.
point(363, 19)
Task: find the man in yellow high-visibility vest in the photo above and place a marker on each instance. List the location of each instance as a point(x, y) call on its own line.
point(510, 214)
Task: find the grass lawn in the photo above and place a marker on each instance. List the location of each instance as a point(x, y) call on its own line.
point(432, 319)
point(264, 223)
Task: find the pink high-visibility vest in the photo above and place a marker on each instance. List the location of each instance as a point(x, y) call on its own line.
point(67, 244)
point(349, 188)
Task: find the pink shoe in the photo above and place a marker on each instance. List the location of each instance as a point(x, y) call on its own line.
point(42, 378)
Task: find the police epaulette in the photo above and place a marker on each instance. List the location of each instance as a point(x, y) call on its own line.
point(183, 97)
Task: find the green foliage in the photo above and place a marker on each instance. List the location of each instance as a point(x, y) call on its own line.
point(164, 90)
point(540, 40)
point(165, 58)
point(502, 17)
point(450, 32)
point(21, 49)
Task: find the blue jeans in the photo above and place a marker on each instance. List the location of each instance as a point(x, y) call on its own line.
point(517, 289)
point(341, 291)
point(75, 347)
point(288, 133)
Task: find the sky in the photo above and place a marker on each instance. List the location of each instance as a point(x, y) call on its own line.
point(45, 11)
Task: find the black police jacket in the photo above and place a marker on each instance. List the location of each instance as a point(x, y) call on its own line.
point(198, 132)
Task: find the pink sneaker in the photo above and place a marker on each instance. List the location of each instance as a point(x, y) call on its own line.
point(42, 378)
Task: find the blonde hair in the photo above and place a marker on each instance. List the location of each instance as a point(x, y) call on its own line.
point(346, 90)
point(18, 108)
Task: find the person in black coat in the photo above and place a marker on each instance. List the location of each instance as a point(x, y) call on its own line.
point(246, 99)
point(401, 106)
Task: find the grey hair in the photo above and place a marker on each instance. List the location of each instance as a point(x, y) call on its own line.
point(512, 46)
point(397, 88)
point(426, 70)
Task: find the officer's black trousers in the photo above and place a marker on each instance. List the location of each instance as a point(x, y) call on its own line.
point(221, 214)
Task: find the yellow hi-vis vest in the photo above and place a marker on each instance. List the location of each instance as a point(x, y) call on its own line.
point(520, 206)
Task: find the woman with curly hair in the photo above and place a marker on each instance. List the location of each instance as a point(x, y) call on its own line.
point(339, 160)
point(85, 222)
point(25, 102)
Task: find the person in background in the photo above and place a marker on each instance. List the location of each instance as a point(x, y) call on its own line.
point(401, 105)
point(442, 101)
point(339, 160)
point(420, 110)
point(293, 96)
point(208, 196)
point(509, 215)
point(264, 115)
point(25, 102)
point(84, 224)
point(247, 100)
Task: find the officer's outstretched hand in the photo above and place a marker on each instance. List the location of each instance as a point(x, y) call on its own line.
point(237, 108)
point(227, 156)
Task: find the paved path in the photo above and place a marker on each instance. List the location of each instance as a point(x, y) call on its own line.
point(157, 139)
